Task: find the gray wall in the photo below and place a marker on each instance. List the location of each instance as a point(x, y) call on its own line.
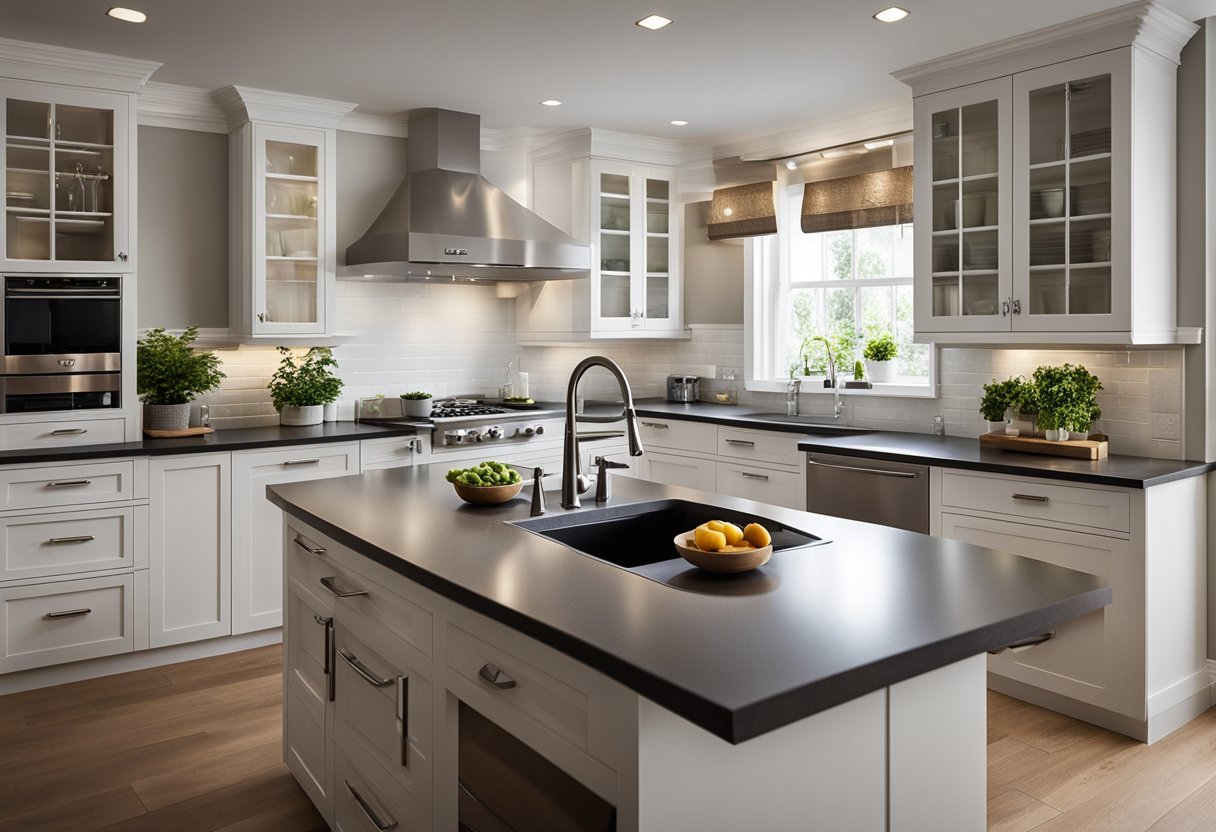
point(369, 170)
point(713, 272)
point(183, 228)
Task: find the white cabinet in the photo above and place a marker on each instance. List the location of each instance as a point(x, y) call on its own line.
point(1032, 185)
point(686, 471)
point(308, 692)
point(68, 160)
point(257, 524)
point(394, 452)
point(190, 547)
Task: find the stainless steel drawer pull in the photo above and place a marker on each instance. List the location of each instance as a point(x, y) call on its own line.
point(331, 584)
point(741, 443)
point(80, 538)
point(403, 718)
point(655, 425)
point(68, 613)
point(1022, 644)
point(312, 461)
point(68, 483)
point(371, 813)
point(882, 472)
point(308, 547)
point(747, 475)
point(364, 671)
point(1030, 498)
point(69, 431)
point(493, 674)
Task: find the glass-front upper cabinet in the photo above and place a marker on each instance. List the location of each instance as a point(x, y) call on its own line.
point(1071, 205)
point(961, 231)
point(288, 256)
point(65, 179)
point(635, 278)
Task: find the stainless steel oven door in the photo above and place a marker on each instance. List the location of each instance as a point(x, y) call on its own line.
point(42, 394)
point(51, 323)
point(42, 365)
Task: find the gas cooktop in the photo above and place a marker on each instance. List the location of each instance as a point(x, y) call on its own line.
point(463, 409)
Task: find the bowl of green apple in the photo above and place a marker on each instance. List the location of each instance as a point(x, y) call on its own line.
point(487, 483)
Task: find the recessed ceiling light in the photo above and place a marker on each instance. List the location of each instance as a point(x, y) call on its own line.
point(551, 102)
point(128, 15)
point(654, 22)
point(880, 143)
point(891, 14)
point(679, 122)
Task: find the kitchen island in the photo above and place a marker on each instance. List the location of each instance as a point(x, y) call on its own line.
point(842, 682)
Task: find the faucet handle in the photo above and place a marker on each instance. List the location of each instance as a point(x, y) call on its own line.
point(538, 492)
point(602, 490)
point(604, 463)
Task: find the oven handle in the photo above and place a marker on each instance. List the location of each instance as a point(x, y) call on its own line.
point(52, 296)
point(73, 294)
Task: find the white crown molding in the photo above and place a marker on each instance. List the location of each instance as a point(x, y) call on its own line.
point(895, 117)
point(180, 108)
point(508, 139)
point(57, 64)
point(650, 150)
point(1143, 24)
point(244, 104)
point(375, 125)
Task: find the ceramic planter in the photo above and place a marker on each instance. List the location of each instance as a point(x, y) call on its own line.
point(996, 427)
point(418, 408)
point(1078, 434)
point(330, 412)
point(307, 415)
point(882, 372)
point(166, 416)
point(1056, 435)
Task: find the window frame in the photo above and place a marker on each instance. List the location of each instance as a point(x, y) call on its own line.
point(766, 270)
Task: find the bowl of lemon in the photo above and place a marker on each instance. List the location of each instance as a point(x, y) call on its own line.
point(719, 546)
point(487, 483)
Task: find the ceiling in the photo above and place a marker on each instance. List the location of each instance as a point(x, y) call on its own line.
point(733, 70)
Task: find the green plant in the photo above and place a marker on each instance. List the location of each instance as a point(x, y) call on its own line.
point(305, 383)
point(417, 395)
point(880, 348)
point(816, 351)
point(1067, 397)
point(1000, 397)
point(170, 371)
point(859, 371)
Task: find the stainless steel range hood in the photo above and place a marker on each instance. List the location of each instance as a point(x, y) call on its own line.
point(446, 221)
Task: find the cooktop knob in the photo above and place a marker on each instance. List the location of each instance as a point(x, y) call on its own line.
point(493, 432)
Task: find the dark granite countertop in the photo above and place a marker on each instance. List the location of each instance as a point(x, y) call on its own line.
point(738, 655)
point(235, 439)
point(944, 451)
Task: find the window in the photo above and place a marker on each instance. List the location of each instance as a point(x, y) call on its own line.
point(845, 285)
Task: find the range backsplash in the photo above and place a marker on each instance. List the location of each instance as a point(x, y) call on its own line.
point(451, 340)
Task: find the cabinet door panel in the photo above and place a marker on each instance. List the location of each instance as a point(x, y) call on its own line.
point(190, 547)
point(1091, 658)
point(764, 485)
point(308, 710)
point(688, 471)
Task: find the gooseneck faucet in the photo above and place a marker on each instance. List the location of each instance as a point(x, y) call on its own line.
point(835, 385)
point(573, 480)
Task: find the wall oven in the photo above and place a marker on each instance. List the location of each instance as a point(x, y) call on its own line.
point(62, 339)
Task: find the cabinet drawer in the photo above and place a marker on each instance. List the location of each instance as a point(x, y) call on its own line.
point(764, 485)
point(383, 709)
point(59, 544)
point(686, 471)
point(769, 447)
point(62, 434)
point(67, 485)
point(45, 624)
point(397, 452)
point(677, 435)
point(1038, 499)
point(364, 804)
point(300, 463)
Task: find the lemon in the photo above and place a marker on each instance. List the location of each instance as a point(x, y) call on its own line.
point(708, 540)
point(757, 535)
point(733, 534)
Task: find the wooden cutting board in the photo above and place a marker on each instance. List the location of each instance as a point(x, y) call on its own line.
point(1073, 448)
point(174, 434)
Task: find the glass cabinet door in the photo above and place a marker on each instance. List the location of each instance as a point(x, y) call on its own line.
point(615, 237)
point(962, 230)
point(657, 303)
point(290, 267)
point(64, 175)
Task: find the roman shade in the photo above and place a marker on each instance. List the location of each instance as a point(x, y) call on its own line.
point(863, 201)
point(743, 211)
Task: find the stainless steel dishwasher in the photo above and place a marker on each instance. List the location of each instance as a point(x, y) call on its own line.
point(888, 493)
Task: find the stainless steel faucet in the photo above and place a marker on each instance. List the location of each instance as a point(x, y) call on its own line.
point(791, 396)
point(573, 480)
point(831, 375)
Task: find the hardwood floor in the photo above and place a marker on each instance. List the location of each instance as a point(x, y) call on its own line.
point(195, 747)
point(191, 747)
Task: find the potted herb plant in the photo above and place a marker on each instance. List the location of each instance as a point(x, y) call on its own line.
point(417, 404)
point(1005, 401)
point(880, 353)
point(170, 374)
point(301, 389)
point(1067, 398)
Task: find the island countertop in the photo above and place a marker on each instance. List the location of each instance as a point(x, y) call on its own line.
point(737, 655)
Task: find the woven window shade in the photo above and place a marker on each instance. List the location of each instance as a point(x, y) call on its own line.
point(743, 211)
point(863, 201)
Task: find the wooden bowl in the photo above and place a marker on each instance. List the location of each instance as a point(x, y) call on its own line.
point(486, 495)
point(721, 561)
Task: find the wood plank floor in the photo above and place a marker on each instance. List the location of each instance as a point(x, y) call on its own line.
point(195, 747)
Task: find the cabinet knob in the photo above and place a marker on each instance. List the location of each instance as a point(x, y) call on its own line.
point(122, 255)
point(261, 317)
point(1017, 307)
point(492, 674)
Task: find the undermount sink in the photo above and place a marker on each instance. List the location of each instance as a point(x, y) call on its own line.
point(636, 535)
point(824, 424)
